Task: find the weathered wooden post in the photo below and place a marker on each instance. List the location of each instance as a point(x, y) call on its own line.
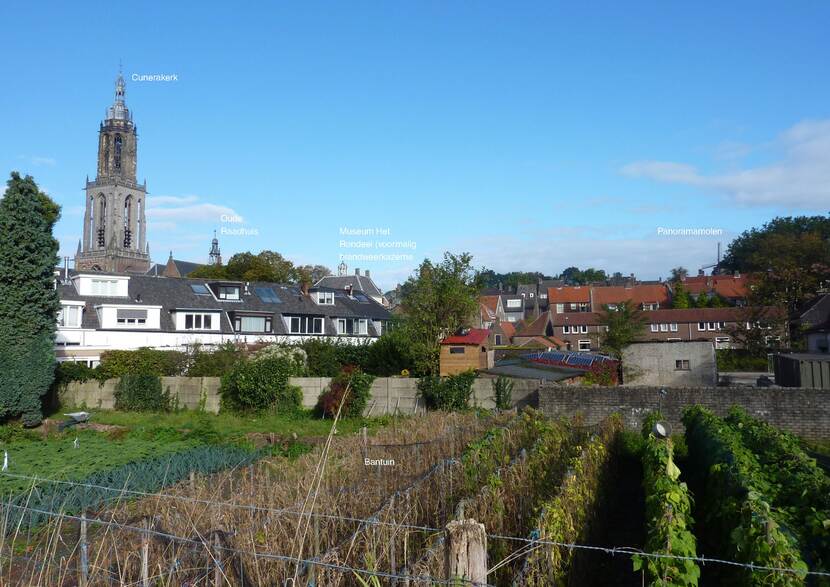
point(145, 555)
point(84, 578)
point(465, 551)
point(193, 482)
point(217, 561)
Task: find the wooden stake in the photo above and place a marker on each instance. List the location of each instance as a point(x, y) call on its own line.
point(84, 578)
point(145, 556)
point(465, 551)
point(217, 562)
point(193, 482)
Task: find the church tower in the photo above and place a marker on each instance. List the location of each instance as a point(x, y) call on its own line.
point(115, 228)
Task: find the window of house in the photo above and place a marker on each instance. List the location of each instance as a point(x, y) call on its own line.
point(654, 327)
point(583, 307)
point(514, 303)
point(712, 325)
point(69, 317)
point(498, 339)
point(721, 325)
point(129, 316)
point(682, 365)
point(722, 342)
point(194, 321)
point(664, 328)
point(584, 345)
point(566, 330)
point(200, 289)
point(701, 326)
point(531, 294)
point(252, 323)
point(543, 296)
point(456, 350)
point(228, 292)
point(325, 298)
point(355, 326)
point(104, 287)
point(612, 307)
point(305, 325)
point(583, 329)
point(673, 327)
point(560, 308)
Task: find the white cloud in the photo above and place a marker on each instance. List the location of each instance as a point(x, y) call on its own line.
point(38, 160)
point(799, 179)
point(185, 208)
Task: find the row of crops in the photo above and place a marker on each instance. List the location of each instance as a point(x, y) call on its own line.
point(362, 510)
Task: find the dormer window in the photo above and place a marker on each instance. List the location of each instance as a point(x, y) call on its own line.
point(104, 287)
point(325, 298)
point(252, 324)
point(70, 316)
point(127, 316)
point(227, 292)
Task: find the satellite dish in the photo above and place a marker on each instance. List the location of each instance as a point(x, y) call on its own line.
point(661, 429)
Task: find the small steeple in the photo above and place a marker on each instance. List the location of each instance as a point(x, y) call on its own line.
point(215, 256)
point(119, 110)
point(342, 269)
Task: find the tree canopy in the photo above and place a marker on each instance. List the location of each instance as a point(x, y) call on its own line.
point(28, 299)
point(437, 300)
point(624, 325)
point(263, 266)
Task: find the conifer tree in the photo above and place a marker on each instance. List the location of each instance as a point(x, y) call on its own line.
point(28, 300)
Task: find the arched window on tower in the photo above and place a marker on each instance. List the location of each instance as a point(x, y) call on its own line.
point(118, 151)
point(128, 204)
point(91, 242)
point(138, 225)
point(101, 221)
point(106, 162)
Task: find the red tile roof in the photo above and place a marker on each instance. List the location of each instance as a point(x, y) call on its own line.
point(490, 302)
point(569, 294)
point(475, 336)
point(728, 286)
point(508, 328)
point(638, 294)
point(544, 342)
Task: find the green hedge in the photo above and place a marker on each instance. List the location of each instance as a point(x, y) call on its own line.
point(740, 360)
point(143, 361)
point(668, 513)
point(739, 513)
point(141, 393)
point(260, 384)
point(447, 393)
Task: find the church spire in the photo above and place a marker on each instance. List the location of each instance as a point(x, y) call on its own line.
point(119, 110)
point(215, 257)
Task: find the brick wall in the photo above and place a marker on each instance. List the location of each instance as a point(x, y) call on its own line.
point(805, 412)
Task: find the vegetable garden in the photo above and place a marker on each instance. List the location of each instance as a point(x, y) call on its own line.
point(377, 509)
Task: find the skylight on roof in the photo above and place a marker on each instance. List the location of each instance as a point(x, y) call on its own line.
point(361, 298)
point(267, 295)
point(200, 289)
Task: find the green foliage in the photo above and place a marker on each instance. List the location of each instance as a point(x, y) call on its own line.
point(143, 361)
point(391, 354)
point(216, 362)
point(801, 488)
point(28, 299)
point(738, 501)
point(576, 276)
point(326, 358)
point(437, 300)
point(624, 326)
point(448, 393)
point(264, 266)
point(680, 297)
point(740, 360)
point(358, 384)
point(509, 281)
point(503, 392)
point(141, 393)
point(567, 517)
point(668, 514)
point(68, 371)
point(259, 384)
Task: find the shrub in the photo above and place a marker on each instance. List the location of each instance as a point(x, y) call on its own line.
point(449, 393)
point(141, 393)
point(740, 360)
point(503, 390)
point(69, 371)
point(216, 362)
point(389, 355)
point(327, 357)
point(359, 385)
point(259, 384)
point(143, 361)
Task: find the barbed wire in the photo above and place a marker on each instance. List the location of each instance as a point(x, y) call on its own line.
point(263, 555)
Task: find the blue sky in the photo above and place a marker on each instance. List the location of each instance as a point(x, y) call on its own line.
point(535, 136)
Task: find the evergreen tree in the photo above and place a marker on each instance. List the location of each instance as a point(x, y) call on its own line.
point(624, 325)
point(702, 300)
point(681, 299)
point(28, 300)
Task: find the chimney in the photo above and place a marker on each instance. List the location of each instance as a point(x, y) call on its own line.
point(357, 271)
point(366, 273)
point(66, 269)
point(304, 288)
point(349, 290)
point(700, 273)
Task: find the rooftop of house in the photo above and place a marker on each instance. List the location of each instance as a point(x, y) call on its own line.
point(357, 282)
point(727, 286)
point(476, 336)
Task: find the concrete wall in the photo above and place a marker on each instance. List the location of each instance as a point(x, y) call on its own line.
point(388, 394)
point(655, 363)
point(805, 412)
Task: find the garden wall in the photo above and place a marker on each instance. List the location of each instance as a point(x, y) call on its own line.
point(805, 412)
point(388, 393)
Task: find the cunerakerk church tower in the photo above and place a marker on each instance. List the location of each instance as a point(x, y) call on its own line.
point(115, 229)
